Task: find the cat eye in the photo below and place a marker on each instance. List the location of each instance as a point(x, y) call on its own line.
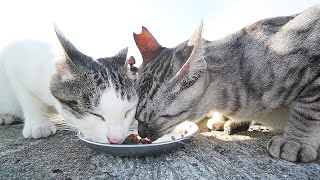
point(169, 116)
point(127, 113)
point(98, 115)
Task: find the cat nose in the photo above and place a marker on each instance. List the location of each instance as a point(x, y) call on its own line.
point(114, 140)
point(142, 129)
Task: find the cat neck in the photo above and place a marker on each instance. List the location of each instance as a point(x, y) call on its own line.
point(222, 70)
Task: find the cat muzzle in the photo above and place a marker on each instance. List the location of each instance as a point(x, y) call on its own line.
point(144, 131)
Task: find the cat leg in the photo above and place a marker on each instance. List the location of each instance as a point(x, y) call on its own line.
point(232, 126)
point(219, 122)
point(37, 122)
point(301, 138)
point(216, 121)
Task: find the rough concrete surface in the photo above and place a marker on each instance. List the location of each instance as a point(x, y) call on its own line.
point(210, 155)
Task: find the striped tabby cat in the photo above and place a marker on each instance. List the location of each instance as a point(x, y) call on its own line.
point(268, 72)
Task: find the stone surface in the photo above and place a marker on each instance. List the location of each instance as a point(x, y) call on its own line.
point(211, 155)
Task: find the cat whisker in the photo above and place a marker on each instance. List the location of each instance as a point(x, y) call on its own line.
point(63, 125)
point(47, 115)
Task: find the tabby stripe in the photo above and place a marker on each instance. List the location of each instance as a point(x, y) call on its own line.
point(167, 70)
point(141, 108)
point(225, 97)
point(310, 99)
point(305, 116)
point(302, 131)
point(72, 105)
point(153, 92)
point(174, 115)
point(308, 84)
point(235, 101)
point(151, 114)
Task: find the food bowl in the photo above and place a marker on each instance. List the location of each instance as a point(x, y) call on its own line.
point(162, 145)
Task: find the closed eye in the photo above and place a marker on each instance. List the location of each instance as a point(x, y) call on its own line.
point(169, 116)
point(127, 113)
point(98, 115)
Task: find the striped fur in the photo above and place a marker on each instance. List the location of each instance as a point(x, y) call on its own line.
point(95, 77)
point(98, 97)
point(268, 71)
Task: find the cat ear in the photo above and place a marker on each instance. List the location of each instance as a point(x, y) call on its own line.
point(63, 70)
point(131, 70)
point(147, 44)
point(196, 61)
point(71, 52)
point(131, 61)
point(122, 54)
point(121, 57)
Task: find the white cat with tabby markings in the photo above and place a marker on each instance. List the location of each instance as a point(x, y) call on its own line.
point(95, 96)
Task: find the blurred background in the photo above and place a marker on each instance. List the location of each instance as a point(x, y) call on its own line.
point(101, 28)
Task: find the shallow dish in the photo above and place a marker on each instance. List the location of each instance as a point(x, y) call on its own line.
point(142, 149)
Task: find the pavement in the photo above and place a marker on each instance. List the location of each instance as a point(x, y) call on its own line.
point(210, 155)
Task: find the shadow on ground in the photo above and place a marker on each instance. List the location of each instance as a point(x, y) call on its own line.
point(211, 155)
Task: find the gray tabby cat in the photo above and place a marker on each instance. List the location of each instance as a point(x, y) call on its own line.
point(95, 96)
point(268, 72)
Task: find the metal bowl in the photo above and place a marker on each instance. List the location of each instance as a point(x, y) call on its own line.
point(141, 149)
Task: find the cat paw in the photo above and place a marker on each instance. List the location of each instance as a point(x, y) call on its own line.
point(6, 119)
point(280, 147)
point(38, 130)
point(231, 127)
point(185, 128)
point(216, 122)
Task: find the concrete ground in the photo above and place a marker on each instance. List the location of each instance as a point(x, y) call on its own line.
point(210, 155)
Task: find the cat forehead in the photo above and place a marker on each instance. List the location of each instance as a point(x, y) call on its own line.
point(111, 103)
point(174, 56)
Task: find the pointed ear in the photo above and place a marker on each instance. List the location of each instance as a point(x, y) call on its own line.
point(196, 62)
point(122, 54)
point(131, 70)
point(120, 58)
point(147, 44)
point(71, 52)
point(131, 61)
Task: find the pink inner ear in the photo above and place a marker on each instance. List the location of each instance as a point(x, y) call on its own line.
point(147, 44)
point(131, 60)
point(62, 68)
point(185, 69)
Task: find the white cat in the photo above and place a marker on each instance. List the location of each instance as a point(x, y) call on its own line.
point(95, 96)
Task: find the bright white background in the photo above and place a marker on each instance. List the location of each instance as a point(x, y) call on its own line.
point(102, 28)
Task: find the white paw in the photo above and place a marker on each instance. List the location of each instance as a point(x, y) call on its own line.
point(6, 119)
point(216, 122)
point(38, 130)
point(280, 147)
point(185, 128)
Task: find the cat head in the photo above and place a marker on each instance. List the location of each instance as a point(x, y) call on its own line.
point(95, 96)
point(170, 84)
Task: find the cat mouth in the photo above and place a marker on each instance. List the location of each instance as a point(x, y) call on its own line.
point(145, 131)
point(152, 134)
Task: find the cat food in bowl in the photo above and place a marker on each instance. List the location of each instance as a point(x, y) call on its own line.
point(134, 145)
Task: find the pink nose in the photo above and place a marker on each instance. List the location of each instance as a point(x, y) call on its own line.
point(115, 140)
